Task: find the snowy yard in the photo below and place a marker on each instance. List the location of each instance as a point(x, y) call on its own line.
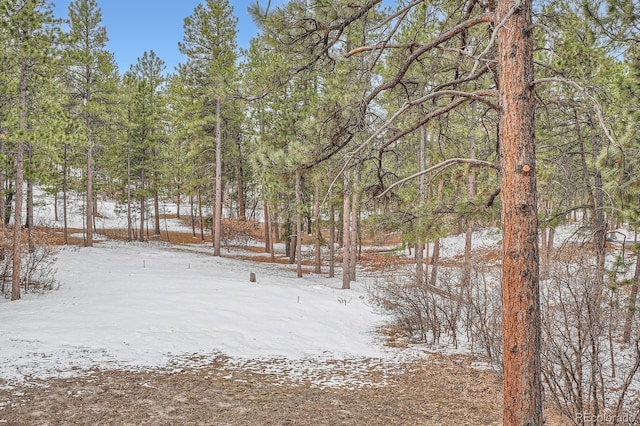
point(144, 306)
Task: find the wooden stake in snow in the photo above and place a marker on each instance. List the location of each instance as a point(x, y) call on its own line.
point(252, 277)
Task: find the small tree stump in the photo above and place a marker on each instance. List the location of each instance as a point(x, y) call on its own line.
point(252, 277)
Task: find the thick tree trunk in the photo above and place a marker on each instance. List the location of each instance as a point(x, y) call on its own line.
point(522, 390)
point(217, 213)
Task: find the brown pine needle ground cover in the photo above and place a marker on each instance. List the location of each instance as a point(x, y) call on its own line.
point(438, 390)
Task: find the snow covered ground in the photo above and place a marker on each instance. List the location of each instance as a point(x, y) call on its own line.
point(152, 305)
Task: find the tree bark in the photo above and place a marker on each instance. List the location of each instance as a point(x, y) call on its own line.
point(346, 233)
point(3, 181)
point(156, 212)
point(29, 223)
point(422, 193)
point(65, 178)
point(129, 216)
point(88, 242)
point(267, 227)
point(217, 214)
point(19, 164)
point(318, 233)
point(332, 239)
point(142, 207)
point(521, 341)
point(355, 213)
point(631, 311)
point(299, 222)
point(242, 214)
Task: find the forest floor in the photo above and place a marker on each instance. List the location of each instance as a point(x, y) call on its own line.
point(435, 389)
point(443, 391)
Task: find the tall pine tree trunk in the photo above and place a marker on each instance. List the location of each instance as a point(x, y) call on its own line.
point(19, 164)
point(142, 207)
point(3, 182)
point(156, 212)
point(419, 256)
point(318, 234)
point(217, 213)
point(267, 227)
point(29, 223)
point(88, 242)
point(242, 214)
point(332, 239)
point(65, 178)
point(299, 222)
point(631, 310)
point(129, 216)
point(521, 341)
point(346, 233)
point(355, 213)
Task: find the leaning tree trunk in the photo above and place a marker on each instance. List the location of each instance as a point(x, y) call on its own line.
point(521, 341)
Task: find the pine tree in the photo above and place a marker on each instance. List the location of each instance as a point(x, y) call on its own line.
point(210, 46)
point(89, 79)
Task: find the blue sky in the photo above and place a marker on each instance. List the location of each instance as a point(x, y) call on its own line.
point(136, 26)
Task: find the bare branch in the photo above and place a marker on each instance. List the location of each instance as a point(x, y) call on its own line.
point(446, 163)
